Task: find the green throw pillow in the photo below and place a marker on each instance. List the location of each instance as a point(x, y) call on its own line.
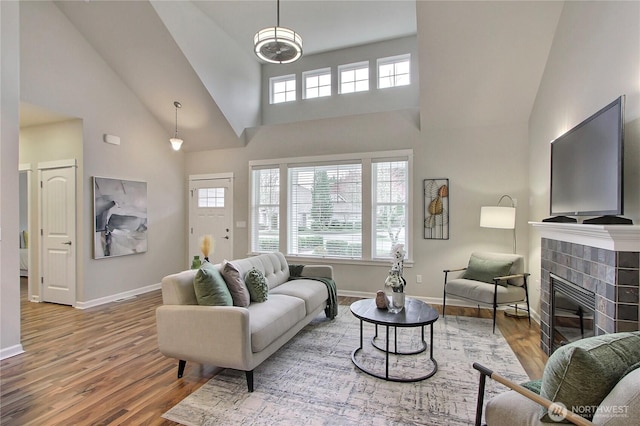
point(210, 288)
point(533, 385)
point(257, 285)
point(486, 270)
point(582, 373)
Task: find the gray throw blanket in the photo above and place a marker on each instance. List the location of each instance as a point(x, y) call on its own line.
point(295, 273)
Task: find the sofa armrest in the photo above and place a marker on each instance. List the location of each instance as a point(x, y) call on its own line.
point(317, 271)
point(217, 335)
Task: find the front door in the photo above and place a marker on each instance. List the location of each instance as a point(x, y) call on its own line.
point(58, 231)
point(211, 213)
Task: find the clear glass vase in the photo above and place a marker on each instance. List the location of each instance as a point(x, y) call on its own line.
point(394, 292)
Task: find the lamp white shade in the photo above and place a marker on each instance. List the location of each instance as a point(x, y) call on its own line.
point(176, 143)
point(498, 217)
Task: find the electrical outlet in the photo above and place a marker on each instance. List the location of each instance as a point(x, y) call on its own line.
point(418, 278)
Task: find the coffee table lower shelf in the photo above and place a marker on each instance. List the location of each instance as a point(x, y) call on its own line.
point(386, 350)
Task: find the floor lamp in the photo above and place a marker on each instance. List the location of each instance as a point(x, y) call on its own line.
point(502, 218)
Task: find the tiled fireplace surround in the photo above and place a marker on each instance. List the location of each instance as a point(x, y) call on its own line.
point(604, 259)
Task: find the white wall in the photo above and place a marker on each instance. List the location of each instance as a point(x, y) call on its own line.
point(595, 57)
point(61, 72)
point(481, 163)
point(10, 99)
point(337, 105)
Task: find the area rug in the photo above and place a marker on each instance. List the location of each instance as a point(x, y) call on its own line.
point(312, 380)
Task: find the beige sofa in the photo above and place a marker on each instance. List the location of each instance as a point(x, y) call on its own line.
point(235, 337)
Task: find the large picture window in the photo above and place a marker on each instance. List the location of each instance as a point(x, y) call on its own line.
point(350, 207)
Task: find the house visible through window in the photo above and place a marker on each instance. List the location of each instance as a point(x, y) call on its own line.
point(317, 83)
point(390, 208)
point(354, 77)
point(394, 71)
point(265, 209)
point(326, 201)
point(325, 210)
point(283, 89)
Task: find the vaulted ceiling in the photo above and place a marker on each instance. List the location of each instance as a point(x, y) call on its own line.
point(483, 60)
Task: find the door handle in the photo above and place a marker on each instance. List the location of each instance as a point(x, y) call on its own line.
point(67, 243)
point(226, 237)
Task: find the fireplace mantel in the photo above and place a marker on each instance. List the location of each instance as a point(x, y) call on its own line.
point(610, 237)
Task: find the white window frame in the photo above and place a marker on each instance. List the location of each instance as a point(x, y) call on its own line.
point(316, 73)
point(355, 67)
point(368, 228)
point(393, 60)
point(390, 204)
point(257, 204)
point(282, 79)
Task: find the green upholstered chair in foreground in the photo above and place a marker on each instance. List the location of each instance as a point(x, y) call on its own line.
point(590, 381)
point(490, 279)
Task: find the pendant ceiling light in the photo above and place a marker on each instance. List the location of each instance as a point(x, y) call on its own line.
point(278, 45)
point(176, 142)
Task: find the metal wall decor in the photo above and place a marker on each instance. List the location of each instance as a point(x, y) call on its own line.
point(436, 209)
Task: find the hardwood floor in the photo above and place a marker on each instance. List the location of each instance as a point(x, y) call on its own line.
point(101, 365)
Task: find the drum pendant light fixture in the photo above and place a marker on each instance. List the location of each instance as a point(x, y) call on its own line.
point(176, 142)
point(278, 45)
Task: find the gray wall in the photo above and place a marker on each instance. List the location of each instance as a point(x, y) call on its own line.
point(337, 105)
point(60, 71)
point(588, 67)
point(467, 156)
point(10, 98)
point(50, 142)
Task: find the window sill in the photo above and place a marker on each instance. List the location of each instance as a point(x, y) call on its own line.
point(339, 261)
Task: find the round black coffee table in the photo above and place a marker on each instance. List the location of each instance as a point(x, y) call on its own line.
point(415, 314)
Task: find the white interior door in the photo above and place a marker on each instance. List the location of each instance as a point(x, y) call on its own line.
point(58, 232)
point(211, 213)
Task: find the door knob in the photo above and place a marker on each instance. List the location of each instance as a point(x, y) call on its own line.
point(67, 243)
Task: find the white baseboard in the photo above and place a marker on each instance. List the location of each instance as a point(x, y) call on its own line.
point(117, 297)
point(11, 351)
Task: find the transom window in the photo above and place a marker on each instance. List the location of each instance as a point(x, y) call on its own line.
point(317, 83)
point(282, 89)
point(344, 207)
point(394, 71)
point(354, 77)
point(210, 197)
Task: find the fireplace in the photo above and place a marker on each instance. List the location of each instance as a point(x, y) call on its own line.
point(599, 262)
point(573, 312)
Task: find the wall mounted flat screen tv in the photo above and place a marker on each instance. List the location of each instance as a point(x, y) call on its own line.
point(587, 165)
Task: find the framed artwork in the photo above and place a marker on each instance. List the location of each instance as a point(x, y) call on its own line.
point(436, 209)
point(120, 210)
